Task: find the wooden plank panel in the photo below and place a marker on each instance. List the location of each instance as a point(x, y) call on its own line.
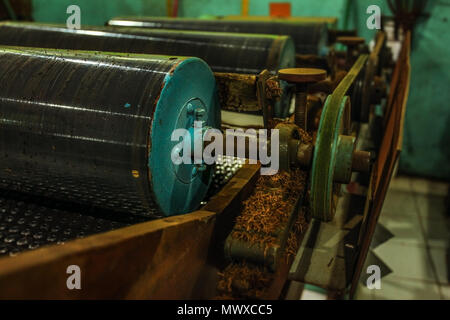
point(389, 151)
point(160, 259)
point(140, 261)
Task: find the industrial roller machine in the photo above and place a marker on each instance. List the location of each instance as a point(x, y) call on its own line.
point(309, 37)
point(313, 37)
point(225, 53)
point(313, 45)
point(86, 142)
point(103, 130)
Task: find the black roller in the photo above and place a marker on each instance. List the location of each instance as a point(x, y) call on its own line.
point(94, 129)
point(309, 37)
point(238, 53)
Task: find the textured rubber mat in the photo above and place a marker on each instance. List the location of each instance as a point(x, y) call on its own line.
point(225, 168)
point(29, 222)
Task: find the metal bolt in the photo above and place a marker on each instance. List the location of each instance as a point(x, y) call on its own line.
point(190, 108)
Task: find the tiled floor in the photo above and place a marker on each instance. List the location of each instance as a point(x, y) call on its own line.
point(418, 255)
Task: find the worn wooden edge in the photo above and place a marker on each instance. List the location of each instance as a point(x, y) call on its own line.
point(405, 93)
point(380, 39)
point(95, 242)
point(389, 154)
point(159, 259)
point(299, 75)
point(280, 278)
point(133, 262)
point(247, 175)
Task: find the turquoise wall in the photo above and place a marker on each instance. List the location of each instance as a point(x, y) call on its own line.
point(95, 12)
point(426, 150)
point(427, 127)
point(426, 147)
point(195, 8)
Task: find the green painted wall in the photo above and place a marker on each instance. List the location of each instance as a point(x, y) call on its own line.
point(426, 148)
point(95, 12)
point(195, 8)
point(355, 16)
point(427, 128)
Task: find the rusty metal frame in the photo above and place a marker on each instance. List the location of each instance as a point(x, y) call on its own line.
point(389, 152)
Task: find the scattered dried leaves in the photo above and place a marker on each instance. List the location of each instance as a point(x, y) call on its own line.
point(262, 217)
point(241, 280)
point(267, 210)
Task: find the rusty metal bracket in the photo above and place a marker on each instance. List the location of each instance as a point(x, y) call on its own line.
point(266, 107)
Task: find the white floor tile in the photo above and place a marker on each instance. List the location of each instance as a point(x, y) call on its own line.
point(415, 213)
point(312, 295)
point(395, 288)
point(406, 260)
point(399, 202)
point(445, 291)
point(439, 256)
point(405, 228)
point(425, 186)
point(401, 183)
point(363, 293)
point(437, 232)
point(431, 206)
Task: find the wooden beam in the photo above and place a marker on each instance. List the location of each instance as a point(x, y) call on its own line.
point(159, 259)
point(141, 261)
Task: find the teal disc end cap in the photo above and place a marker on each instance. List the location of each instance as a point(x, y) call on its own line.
point(191, 86)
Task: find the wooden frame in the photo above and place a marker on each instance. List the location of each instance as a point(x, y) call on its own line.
point(161, 259)
point(389, 151)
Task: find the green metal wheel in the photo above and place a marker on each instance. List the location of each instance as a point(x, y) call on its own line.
point(332, 158)
point(334, 148)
